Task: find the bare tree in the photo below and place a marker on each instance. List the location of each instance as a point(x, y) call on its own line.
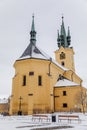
point(81, 99)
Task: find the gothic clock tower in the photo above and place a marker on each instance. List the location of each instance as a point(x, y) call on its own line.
point(65, 54)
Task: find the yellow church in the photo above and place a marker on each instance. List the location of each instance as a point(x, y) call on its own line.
point(42, 84)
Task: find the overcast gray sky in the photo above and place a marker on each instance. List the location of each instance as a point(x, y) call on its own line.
point(15, 25)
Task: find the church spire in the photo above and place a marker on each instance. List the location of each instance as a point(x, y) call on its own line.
point(63, 39)
point(62, 27)
point(33, 32)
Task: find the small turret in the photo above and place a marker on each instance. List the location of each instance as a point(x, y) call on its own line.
point(68, 37)
point(58, 40)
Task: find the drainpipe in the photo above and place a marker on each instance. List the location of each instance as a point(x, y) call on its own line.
point(72, 76)
point(49, 74)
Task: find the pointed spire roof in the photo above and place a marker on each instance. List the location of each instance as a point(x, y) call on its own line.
point(62, 27)
point(32, 51)
point(68, 37)
point(68, 34)
point(33, 26)
point(63, 38)
point(63, 34)
point(33, 32)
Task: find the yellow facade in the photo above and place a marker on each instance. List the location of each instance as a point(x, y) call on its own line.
point(65, 56)
point(44, 98)
point(33, 84)
point(35, 97)
point(66, 103)
point(67, 99)
point(73, 77)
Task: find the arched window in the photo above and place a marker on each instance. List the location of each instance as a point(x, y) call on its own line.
point(24, 80)
point(62, 55)
point(62, 63)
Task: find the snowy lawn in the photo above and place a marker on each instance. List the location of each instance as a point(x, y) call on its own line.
point(26, 123)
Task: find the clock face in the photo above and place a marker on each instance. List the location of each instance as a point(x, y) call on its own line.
point(62, 55)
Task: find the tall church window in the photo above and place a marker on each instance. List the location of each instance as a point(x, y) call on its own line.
point(62, 55)
point(39, 80)
point(62, 63)
point(24, 80)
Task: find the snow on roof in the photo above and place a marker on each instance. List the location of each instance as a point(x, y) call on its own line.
point(55, 62)
point(65, 82)
point(33, 51)
point(4, 100)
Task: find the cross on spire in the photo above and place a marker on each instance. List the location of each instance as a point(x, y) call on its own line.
point(62, 17)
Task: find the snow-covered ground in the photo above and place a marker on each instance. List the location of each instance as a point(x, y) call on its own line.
point(26, 123)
